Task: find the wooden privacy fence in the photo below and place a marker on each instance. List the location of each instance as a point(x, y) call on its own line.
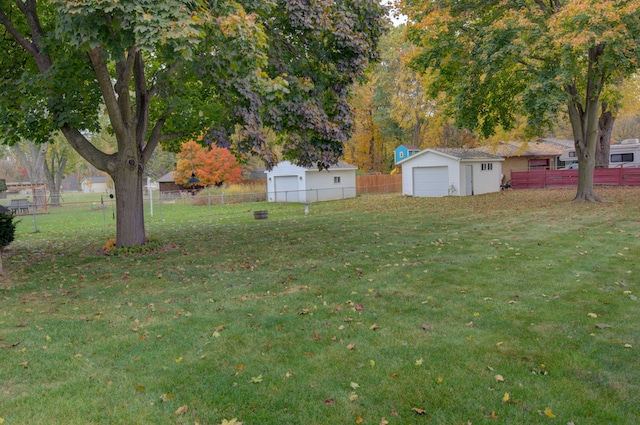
point(569, 178)
point(376, 183)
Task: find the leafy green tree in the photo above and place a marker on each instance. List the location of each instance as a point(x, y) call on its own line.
point(167, 71)
point(497, 59)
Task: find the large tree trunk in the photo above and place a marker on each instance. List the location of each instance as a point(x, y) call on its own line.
point(584, 123)
point(128, 181)
point(605, 128)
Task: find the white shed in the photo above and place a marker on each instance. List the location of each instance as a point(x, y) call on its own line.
point(288, 182)
point(96, 184)
point(456, 172)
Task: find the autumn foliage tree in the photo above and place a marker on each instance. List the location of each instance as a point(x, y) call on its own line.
point(164, 71)
point(212, 165)
point(497, 60)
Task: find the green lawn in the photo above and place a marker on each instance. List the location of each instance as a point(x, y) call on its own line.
point(515, 308)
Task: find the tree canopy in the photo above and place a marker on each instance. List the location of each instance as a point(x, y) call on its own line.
point(497, 59)
point(165, 71)
point(212, 165)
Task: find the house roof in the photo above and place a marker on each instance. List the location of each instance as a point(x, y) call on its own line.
point(540, 147)
point(167, 178)
point(458, 153)
point(96, 179)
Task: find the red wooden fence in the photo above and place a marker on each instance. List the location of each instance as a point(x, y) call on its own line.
point(569, 178)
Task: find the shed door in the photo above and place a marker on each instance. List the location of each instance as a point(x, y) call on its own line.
point(286, 188)
point(469, 180)
point(430, 181)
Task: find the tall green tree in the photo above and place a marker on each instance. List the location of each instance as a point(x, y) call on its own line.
point(166, 71)
point(498, 59)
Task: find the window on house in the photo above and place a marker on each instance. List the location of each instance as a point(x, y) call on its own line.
point(336, 179)
point(622, 157)
point(401, 154)
point(486, 166)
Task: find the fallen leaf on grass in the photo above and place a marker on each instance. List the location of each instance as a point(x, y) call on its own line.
point(256, 379)
point(499, 378)
point(353, 397)
point(359, 420)
point(233, 421)
point(351, 346)
point(354, 385)
point(374, 327)
point(166, 397)
point(603, 326)
point(25, 365)
point(426, 327)
point(383, 421)
point(493, 415)
point(329, 402)
point(182, 410)
point(419, 411)
point(505, 398)
point(592, 315)
point(419, 361)
point(549, 413)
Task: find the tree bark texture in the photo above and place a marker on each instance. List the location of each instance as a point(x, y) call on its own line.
point(605, 128)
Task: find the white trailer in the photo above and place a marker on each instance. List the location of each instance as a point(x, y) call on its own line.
point(623, 154)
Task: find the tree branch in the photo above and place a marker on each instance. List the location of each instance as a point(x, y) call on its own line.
point(124, 73)
point(93, 155)
point(104, 81)
point(142, 100)
point(154, 89)
point(29, 11)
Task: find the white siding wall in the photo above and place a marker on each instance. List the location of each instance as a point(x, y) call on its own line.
point(285, 168)
point(486, 181)
point(313, 185)
point(431, 159)
point(321, 185)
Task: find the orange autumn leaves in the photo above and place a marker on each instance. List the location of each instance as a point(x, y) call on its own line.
point(212, 165)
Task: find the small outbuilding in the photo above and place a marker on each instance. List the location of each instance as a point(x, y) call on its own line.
point(96, 184)
point(404, 151)
point(451, 172)
point(288, 182)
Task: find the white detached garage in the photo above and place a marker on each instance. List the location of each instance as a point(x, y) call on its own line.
point(455, 172)
point(288, 182)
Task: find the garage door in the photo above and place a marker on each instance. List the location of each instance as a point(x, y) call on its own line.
point(430, 181)
point(286, 188)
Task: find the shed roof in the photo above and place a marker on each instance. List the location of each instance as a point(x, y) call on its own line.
point(96, 179)
point(459, 154)
point(341, 165)
point(167, 178)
